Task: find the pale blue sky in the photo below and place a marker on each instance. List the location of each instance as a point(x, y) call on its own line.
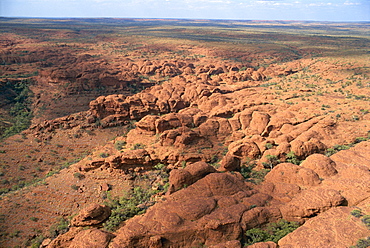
point(314, 10)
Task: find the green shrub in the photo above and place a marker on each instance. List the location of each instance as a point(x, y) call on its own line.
point(20, 112)
point(292, 158)
point(36, 241)
point(138, 146)
point(159, 166)
point(336, 149)
point(62, 226)
point(119, 145)
point(78, 175)
point(269, 146)
point(103, 155)
point(273, 232)
point(74, 187)
point(35, 219)
point(127, 207)
point(362, 243)
point(273, 160)
point(251, 175)
point(366, 220)
point(256, 235)
point(357, 213)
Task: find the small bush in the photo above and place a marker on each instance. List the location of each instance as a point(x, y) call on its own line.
point(78, 175)
point(273, 160)
point(269, 146)
point(35, 219)
point(127, 207)
point(292, 158)
point(357, 213)
point(36, 242)
point(74, 187)
point(254, 176)
point(273, 232)
point(119, 145)
point(336, 149)
point(62, 226)
point(138, 146)
point(159, 166)
point(362, 243)
point(366, 220)
point(103, 155)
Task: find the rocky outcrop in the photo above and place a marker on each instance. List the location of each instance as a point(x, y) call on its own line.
point(295, 174)
point(334, 228)
point(182, 178)
point(322, 165)
point(310, 203)
point(91, 238)
point(92, 215)
point(208, 211)
point(77, 237)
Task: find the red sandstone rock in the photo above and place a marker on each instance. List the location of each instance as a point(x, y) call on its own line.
point(230, 163)
point(309, 203)
point(91, 238)
point(291, 173)
point(190, 216)
point(269, 244)
point(321, 164)
point(91, 215)
point(334, 228)
point(228, 244)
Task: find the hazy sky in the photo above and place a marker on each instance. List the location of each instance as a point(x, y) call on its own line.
point(316, 10)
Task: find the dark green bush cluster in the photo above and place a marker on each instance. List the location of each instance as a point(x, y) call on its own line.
point(20, 112)
point(357, 213)
point(254, 176)
point(338, 148)
point(292, 158)
point(36, 241)
point(127, 207)
point(273, 232)
point(138, 146)
point(119, 145)
point(362, 243)
point(139, 199)
point(366, 220)
point(62, 226)
point(273, 160)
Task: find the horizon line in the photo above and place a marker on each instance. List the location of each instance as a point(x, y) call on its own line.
point(181, 18)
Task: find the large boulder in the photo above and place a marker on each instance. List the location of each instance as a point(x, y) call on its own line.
point(230, 163)
point(291, 173)
point(181, 178)
point(310, 203)
point(91, 238)
point(91, 215)
point(321, 164)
